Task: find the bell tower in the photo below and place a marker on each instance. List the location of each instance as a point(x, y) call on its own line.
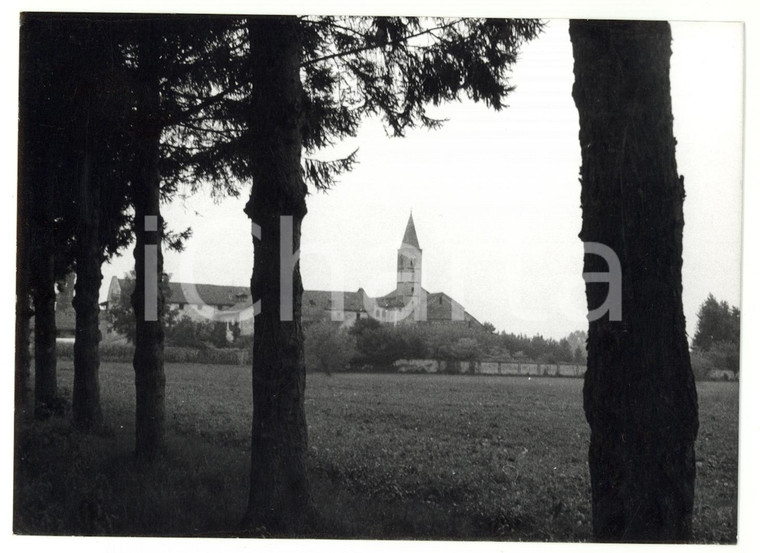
point(409, 264)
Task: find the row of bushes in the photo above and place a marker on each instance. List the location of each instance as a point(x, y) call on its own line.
point(370, 345)
point(172, 354)
point(329, 348)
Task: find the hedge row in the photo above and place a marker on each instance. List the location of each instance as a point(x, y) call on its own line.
point(125, 352)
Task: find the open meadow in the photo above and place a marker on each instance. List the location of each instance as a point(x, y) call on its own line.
point(391, 456)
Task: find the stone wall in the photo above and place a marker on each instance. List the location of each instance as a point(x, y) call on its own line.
point(433, 366)
point(719, 374)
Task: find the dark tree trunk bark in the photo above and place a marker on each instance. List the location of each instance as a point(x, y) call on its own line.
point(36, 262)
point(639, 394)
point(45, 377)
point(23, 335)
point(279, 495)
point(86, 401)
point(23, 228)
point(23, 302)
point(148, 361)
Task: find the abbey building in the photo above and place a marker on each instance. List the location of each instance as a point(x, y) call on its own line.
point(407, 303)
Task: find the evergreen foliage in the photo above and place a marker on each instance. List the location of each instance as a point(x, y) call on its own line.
point(717, 323)
point(715, 345)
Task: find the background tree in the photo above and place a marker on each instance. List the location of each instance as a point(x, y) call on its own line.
point(328, 347)
point(578, 356)
point(716, 342)
point(174, 69)
point(379, 345)
point(351, 68)
point(716, 322)
point(185, 332)
point(122, 316)
point(639, 394)
point(577, 342)
point(98, 186)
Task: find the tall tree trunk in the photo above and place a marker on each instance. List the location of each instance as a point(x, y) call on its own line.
point(639, 394)
point(23, 299)
point(279, 493)
point(45, 378)
point(86, 401)
point(148, 298)
point(29, 220)
point(23, 227)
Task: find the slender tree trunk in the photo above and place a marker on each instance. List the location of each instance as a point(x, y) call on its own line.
point(639, 394)
point(279, 493)
point(86, 401)
point(148, 299)
point(45, 379)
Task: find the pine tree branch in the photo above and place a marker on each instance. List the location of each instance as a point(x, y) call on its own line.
point(349, 29)
point(185, 114)
point(359, 49)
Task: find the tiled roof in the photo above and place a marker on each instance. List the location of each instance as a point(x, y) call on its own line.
point(208, 294)
point(438, 304)
point(316, 303)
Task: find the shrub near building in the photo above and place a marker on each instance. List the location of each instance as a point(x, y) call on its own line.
point(379, 345)
point(328, 347)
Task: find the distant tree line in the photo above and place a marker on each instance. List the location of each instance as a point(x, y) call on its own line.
point(370, 344)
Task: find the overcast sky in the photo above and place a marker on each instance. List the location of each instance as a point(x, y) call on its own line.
point(496, 197)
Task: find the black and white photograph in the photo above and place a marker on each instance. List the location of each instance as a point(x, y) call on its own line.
point(466, 275)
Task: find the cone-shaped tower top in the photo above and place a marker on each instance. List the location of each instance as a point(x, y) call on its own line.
point(410, 235)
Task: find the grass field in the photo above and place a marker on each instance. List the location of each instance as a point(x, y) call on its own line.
point(391, 456)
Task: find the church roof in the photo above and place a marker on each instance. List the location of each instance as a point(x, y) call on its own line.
point(439, 306)
point(317, 304)
point(410, 235)
point(199, 294)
